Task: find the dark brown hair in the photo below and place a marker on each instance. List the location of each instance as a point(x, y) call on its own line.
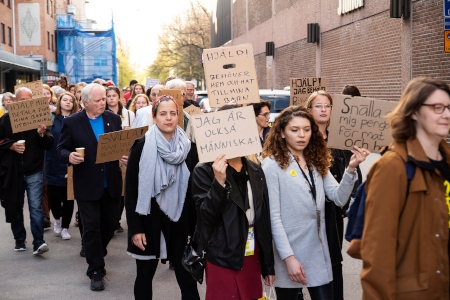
point(58, 103)
point(316, 152)
point(403, 126)
point(351, 90)
point(259, 105)
point(115, 89)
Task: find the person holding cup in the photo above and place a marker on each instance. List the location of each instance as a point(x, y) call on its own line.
point(97, 187)
point(24, 167)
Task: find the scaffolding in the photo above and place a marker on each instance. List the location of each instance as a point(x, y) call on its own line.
point(85, 54)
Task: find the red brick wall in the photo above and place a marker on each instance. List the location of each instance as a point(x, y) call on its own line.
point(259, 11)
point(428, 56)
point(238, 18)
point(260, 66)
point(6, 18)
point(365, 53)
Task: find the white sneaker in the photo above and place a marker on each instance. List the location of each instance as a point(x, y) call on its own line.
point(57, 227)
point(65, 234)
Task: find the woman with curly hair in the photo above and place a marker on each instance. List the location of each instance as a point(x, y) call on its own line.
point(296, 165)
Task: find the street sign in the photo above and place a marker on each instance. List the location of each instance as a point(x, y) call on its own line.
point(446, 23)
point(447, 41)
point(447, 8)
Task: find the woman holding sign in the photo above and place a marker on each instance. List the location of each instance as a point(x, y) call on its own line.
point(296, 164)
point(155, 194)
point(233, 210)
point(405, 242)
point(320, 104)
point(55, 171)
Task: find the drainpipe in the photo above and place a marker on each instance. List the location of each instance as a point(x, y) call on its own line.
point(14, 25)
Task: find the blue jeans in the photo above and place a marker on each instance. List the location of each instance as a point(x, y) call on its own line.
point(34, 185)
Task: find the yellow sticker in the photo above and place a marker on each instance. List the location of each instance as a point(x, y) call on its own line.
point(293, 173)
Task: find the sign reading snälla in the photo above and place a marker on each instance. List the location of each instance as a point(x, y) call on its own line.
point(231, 131)
point(359, 121)
point(28, 114)
point(113, 145)
point(230, 75)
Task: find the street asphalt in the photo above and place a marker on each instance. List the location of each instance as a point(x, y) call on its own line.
point(60, 273)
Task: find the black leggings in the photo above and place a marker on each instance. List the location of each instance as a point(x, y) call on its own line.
point(59, 205)
point(323, 292)
point(146, 269)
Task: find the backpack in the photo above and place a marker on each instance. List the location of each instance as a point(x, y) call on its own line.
point(355, 214)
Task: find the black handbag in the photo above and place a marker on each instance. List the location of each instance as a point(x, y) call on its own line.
point(193, 263)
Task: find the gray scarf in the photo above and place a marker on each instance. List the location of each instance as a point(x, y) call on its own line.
point(163, 174)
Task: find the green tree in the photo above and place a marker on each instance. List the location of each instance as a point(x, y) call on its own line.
point(126, 72)
point(181, 45)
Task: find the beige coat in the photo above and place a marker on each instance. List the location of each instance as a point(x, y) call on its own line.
point(404, 246)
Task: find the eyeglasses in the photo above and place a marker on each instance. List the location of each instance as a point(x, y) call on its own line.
point(322, 106)
point(265, 114)
point(438, 108)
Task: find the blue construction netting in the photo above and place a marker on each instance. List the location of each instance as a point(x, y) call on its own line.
point(84, 55)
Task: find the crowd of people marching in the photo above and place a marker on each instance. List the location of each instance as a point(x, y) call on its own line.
point(275, 217)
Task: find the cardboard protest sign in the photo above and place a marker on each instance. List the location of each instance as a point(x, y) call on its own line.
point(302, 88)
point(35, 86)
point(359, 121)
point(111, 146)
point(151, 82)
point(176, 94)
point(230, 75)
point(192, 110)
point(70, 193)
point(231, 131)
point(28, 114)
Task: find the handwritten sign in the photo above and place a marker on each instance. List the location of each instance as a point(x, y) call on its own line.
point(192, 110)
point(302, 88)
point(176, 94)
point(230, 75)
point(35, 87)
point(111, 146)
point(70, 193)
point(231, 131)
point(151, 82)
point(359, 121)
point(28, 114)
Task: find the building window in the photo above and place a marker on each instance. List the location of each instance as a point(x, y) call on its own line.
point(48, 8)
point(2, 1)
point(2, 33)
point(51, 8)
point(48, 40)
point(9, 36)
point(8, 3)
point(53, 44)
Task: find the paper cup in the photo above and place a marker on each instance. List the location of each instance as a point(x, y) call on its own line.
point(80, 150)
point(21, 142)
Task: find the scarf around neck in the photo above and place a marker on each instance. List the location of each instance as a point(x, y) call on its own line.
point(163, 174)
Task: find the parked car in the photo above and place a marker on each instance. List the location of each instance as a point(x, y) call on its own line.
point(279, 99)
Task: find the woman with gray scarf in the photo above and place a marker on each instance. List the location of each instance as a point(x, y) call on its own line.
point(155, 194)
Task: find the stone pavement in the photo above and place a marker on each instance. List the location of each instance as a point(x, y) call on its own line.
point(60, 273)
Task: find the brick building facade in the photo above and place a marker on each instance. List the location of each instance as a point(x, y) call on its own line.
point(364, 47)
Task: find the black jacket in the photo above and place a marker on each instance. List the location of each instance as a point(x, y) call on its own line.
point(32, 160)
point(88, 177)
point(222, 219)
point(152, 225)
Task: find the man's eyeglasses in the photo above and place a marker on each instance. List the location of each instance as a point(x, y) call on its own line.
point(438, 108)
point(265, 114)
point(322, 106)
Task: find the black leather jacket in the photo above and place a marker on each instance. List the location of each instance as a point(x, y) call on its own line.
point(222, 223)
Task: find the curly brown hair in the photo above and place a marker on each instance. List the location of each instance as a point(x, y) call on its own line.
point(316, 152)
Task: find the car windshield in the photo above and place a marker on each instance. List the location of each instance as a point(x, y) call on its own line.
point(279, 102)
